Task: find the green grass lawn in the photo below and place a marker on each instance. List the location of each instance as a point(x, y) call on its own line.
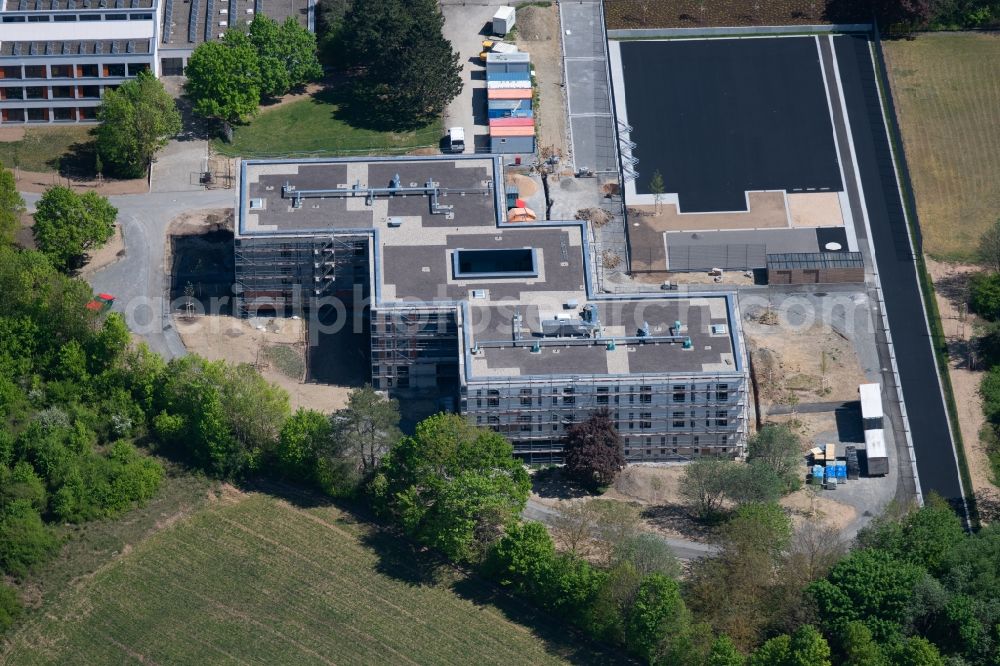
point(42, 147)
point(947, 92)
point(249, 578)
point(319, 126)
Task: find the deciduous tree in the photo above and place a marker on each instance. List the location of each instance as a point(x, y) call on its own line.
point(137, 119)
point(452, 485)
point(593, 451)
point(68, 224)
point(224, 79)
point(780, 449)
point(303, 435)
point(11, 207)
point(286, 54)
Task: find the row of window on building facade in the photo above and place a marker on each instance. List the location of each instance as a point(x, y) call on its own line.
point(70, 18)
point(603, 395)
point(73, 71)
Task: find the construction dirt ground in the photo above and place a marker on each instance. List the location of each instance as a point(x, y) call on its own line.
point(796, 365)
point(655, 489)
point(271, 345)
point(538, 33)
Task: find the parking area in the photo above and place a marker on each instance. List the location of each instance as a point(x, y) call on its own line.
point(465, 26)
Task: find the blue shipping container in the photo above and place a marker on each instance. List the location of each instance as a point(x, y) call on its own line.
point(510, 113)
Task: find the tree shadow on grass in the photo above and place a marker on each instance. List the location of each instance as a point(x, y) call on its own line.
point(560, 637)
point(352, 110)
point(79, 161)
point(552, 482)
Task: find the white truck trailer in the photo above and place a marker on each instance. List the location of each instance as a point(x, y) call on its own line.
point(872, 418)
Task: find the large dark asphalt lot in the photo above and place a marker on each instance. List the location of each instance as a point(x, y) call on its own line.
point(936, 464)
point(722, 116)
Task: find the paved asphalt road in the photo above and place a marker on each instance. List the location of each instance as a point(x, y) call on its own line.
point(138, 281)
point(683, 549)
point(936, 463)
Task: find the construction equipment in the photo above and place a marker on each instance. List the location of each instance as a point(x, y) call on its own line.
point(495, 46)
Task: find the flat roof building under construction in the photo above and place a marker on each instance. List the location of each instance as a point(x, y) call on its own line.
point(496, 319)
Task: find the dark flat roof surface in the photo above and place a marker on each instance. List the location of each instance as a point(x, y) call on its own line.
point(619, 319)
point(718, 117)
point(473, 205)
point(932, 442)
point(425, 271)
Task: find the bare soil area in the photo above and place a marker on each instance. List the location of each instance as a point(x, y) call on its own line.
point(37, 182)
point(247, 341)
point(538, 33)
point(950, 290)
point(817, 364)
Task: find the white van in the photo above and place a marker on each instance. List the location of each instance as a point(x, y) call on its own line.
point(456, 140)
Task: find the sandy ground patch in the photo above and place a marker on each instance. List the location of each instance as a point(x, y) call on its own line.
point(244, 340)
point(958, 329)
point(526, 186)
point(37, 182)
point(12, 133)
point(815, 209)
point(807, 505)
point(538, 33)
point(817, 364)
point(767, 211)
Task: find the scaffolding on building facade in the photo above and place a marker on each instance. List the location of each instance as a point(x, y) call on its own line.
point(293, 273)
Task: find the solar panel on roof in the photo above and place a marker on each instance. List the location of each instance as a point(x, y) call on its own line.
point(193, 22)
point(209, 23)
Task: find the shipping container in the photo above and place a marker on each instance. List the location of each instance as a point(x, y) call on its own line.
point(871, 405)
point(508, 93)
point(878, 460)
point(503, 20)
point(528, 130)
point(512, 122)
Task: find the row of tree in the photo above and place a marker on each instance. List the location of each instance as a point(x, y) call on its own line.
point(228, 78)
point(984, 300)
point(68, 420)
point(907, 15)
point(906, 594)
